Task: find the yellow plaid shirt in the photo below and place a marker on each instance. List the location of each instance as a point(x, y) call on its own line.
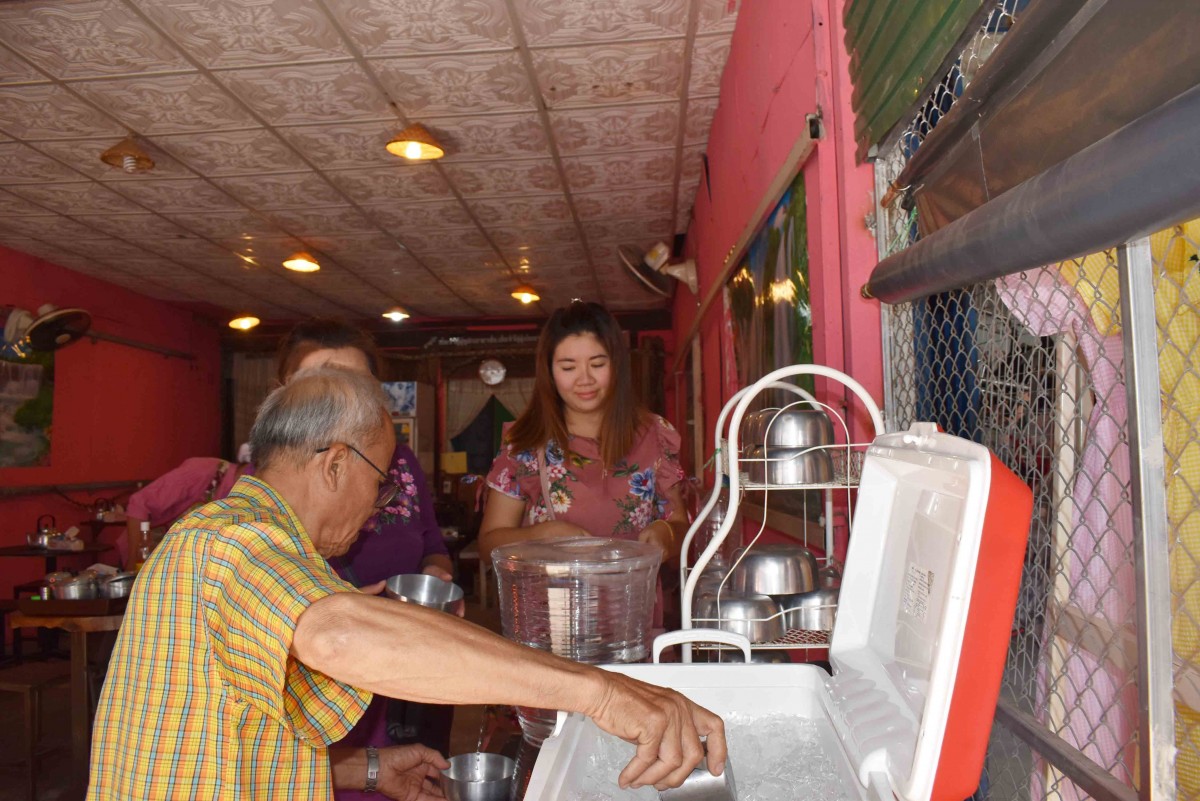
point(202, 700)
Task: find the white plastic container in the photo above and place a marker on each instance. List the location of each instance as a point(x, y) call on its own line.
point(918, 647)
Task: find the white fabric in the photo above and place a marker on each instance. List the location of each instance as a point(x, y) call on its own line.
point(515, 394)
point(465, 399)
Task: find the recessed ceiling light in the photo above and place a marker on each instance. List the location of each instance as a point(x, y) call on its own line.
point(302, 262)
point(416, 143)
point(244, 322)
point(396, 314)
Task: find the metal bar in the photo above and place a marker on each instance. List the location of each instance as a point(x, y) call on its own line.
point(1129, 184)
point(45, 489)
point(170, 353)
point(883, 239)
point(1085, 773)
point(1151, 541)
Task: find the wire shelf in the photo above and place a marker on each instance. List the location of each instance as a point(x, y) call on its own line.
point(793, 639)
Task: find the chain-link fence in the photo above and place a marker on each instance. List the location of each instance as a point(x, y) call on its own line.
point(1034, 367)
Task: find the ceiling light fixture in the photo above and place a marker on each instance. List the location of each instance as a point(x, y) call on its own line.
point(526, 294)
point(126, 155)
point(302, 262)
point(396, 314)
point(416, 143)
point(244, 322)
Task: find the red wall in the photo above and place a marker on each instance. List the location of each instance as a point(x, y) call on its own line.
point(119, 413)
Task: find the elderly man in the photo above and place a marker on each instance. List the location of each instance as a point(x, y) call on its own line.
point(243, 657)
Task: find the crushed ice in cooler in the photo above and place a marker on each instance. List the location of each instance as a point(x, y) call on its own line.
point(775, 758)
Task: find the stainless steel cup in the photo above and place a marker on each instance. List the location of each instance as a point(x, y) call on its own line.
point(701, 785)
point(423, 590)
point(478, 777)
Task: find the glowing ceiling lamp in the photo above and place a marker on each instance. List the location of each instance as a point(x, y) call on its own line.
point(526, 294)
point(244, 322)
point(396, 314)
point(416, 143)
point(302, 262)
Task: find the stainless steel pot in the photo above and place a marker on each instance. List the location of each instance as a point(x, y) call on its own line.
point(810, 611)
point(789, 466)
point(118, 585)
point(39, 539)
point(829, 577)
point(797, 428)
point(755, 617)
point(78, 588)
point(780, 568)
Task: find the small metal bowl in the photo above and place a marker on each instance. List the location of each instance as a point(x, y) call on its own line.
point(79, 588)
point(789, 466)
point(755, 617)
point(423, 590)
point(118, 585)
point(810, 611)
point(779, 568)
point(797, 428)
point(478, 777)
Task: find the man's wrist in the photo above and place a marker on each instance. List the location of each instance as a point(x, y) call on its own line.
point(372, 782)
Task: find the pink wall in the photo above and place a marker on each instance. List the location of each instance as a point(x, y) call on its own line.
point(119, 413)
point(786, 61)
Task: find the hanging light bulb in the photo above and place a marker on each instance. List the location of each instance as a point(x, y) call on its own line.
point(244, 322)
point(526, 294)
point(416, 143)
point(127, 156)
point(302, 262)
point(396, 314)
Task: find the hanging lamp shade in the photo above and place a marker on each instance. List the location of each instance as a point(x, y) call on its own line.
point(244, 322)
point(126, 155)
point(416, 143)
point(526, 294)
point(302, 262)
point(396, 314)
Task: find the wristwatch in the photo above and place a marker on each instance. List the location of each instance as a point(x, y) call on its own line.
point(372, 769)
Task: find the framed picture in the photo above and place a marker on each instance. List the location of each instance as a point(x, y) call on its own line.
point(406, 431)
point(401, 398)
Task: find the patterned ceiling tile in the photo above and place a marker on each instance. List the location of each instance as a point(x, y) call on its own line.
point(445, 239)
point(623, 205)
point(406, 182)
point(42, 250)
point(84, 155)
point(420, 216)
point(634, 170)
point(629, 230)
point(610, 73)
point(452, 84)
point(357, 250)
point(546, 257)
point(268, 252)
point(559, 22)
point(709, 55)
point(700, 113)
point(535, 237)
point(44, 111)
point(13, 206)
point(114, 250)
point(446, 263)
point(598, 130)
point(55, 226)
point(86, 38)
point(14, 69)
point(184, 195)
point(491, 137)
point(717, 16)
point(345, 145)
point(333, 221)
point(84, 198)
point(236, 33)
point(399, 27)
point(21, 164)
point(227, 224)
point(691, 165)
point(505, 178)
point(133, 227)
point(297, 190)
point(309, 93)
point(167, 104)
point(522, 210)
point(233, 152)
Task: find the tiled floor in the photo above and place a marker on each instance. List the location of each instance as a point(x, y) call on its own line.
point(53, 773)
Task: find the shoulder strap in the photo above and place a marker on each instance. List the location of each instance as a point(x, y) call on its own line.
point(545, 477)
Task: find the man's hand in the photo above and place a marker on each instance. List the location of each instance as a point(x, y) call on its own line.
point(437, 572)
point(410, 773)
point(665, 727)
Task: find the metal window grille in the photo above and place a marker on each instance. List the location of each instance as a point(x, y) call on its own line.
point(1035, 367)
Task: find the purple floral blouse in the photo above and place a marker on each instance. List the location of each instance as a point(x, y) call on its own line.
point(616, 502)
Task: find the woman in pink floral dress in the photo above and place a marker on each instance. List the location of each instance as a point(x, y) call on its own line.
point(585, 458)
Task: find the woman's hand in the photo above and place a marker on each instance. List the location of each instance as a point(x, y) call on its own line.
point(410, 773)
point(556, 529)
point(660, 533)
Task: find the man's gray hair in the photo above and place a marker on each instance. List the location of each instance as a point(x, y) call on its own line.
point(315, 408)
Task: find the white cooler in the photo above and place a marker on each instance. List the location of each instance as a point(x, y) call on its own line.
point(920, 640)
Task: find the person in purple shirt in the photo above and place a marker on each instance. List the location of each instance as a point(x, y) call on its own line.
point(402, 538)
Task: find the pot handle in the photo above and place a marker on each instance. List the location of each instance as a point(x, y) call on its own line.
point(700, 635)
point(53, 522)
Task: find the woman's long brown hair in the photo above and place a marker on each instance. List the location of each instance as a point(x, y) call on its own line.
point(544, 420)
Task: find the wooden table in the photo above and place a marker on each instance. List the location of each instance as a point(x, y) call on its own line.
point(51, 555)
point(79, 626)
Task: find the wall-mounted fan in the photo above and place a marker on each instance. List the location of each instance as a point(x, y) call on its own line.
point(50, 330)
point(653, 270)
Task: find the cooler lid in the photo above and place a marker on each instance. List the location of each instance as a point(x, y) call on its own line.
point(905, 604)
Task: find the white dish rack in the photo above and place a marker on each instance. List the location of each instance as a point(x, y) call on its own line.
point(847, 458)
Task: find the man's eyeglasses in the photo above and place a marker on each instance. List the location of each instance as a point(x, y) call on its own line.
point(388, 490)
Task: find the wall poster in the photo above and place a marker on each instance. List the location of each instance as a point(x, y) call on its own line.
point(401, 398)
point(26, 409)
point(768, 294)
